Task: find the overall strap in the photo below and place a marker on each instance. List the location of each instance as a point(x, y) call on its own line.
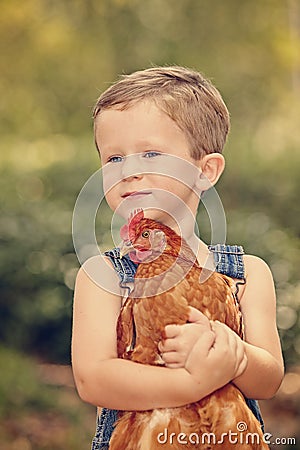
point(229, 259)
point(124, 267)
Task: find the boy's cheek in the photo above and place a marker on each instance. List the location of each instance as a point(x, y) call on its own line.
point(181, 170)
point(111, 176)
point(117, 205)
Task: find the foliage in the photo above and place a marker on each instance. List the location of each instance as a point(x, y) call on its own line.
point(19, 387)
point(36, 415)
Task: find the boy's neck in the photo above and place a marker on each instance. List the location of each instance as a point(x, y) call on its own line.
point(186, 229)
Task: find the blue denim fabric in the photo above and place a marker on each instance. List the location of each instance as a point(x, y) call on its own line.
point(124, 266)
point(229, 261)
point(104, 429)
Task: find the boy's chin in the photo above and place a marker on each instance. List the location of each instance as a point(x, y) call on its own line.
point(149, 213)
point(160, 216)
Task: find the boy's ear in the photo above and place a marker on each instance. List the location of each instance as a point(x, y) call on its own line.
point(211, 167)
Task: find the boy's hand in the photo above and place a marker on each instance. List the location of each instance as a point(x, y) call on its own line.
point(204, 347)
point(224, 361)
point(180, 339)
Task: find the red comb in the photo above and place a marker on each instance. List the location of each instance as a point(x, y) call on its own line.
point(133, 219)
point(135, 216)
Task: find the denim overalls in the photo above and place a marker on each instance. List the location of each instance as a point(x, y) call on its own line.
point(229, 261)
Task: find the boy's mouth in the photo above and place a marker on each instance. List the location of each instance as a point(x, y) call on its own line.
point(135, 194)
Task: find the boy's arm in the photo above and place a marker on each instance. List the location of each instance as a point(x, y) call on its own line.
point(265, 368)
point(105, 380)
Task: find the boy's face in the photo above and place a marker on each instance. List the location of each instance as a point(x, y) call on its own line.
point(146, 162)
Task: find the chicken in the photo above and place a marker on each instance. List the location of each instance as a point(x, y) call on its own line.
point(167, 282)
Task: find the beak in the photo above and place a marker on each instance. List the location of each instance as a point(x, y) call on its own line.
point(125, 248)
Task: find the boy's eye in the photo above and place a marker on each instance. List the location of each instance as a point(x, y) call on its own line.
point(115, 159)
point(151, 154)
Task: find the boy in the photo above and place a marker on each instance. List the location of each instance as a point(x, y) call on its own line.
point(152, 119)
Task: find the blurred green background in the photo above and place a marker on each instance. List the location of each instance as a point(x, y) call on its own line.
point(56, 58)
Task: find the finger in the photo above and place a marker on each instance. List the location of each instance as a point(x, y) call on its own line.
point(198, 317)
point(168, 345)
point(224, 331)
point(171, 331)
point(195, 314)
point(174, 365)
point(204, 344)
point(222, 335)
point(225, 337)
point(235, 344)
point(171, 358)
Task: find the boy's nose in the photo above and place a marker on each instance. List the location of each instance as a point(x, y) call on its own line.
point(131, 168)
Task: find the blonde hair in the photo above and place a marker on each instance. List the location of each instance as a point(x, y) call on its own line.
point(184, 95)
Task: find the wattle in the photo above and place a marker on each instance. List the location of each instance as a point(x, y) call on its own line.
point(139, 255)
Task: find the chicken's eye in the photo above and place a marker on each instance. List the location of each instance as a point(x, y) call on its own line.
point(145, 234)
